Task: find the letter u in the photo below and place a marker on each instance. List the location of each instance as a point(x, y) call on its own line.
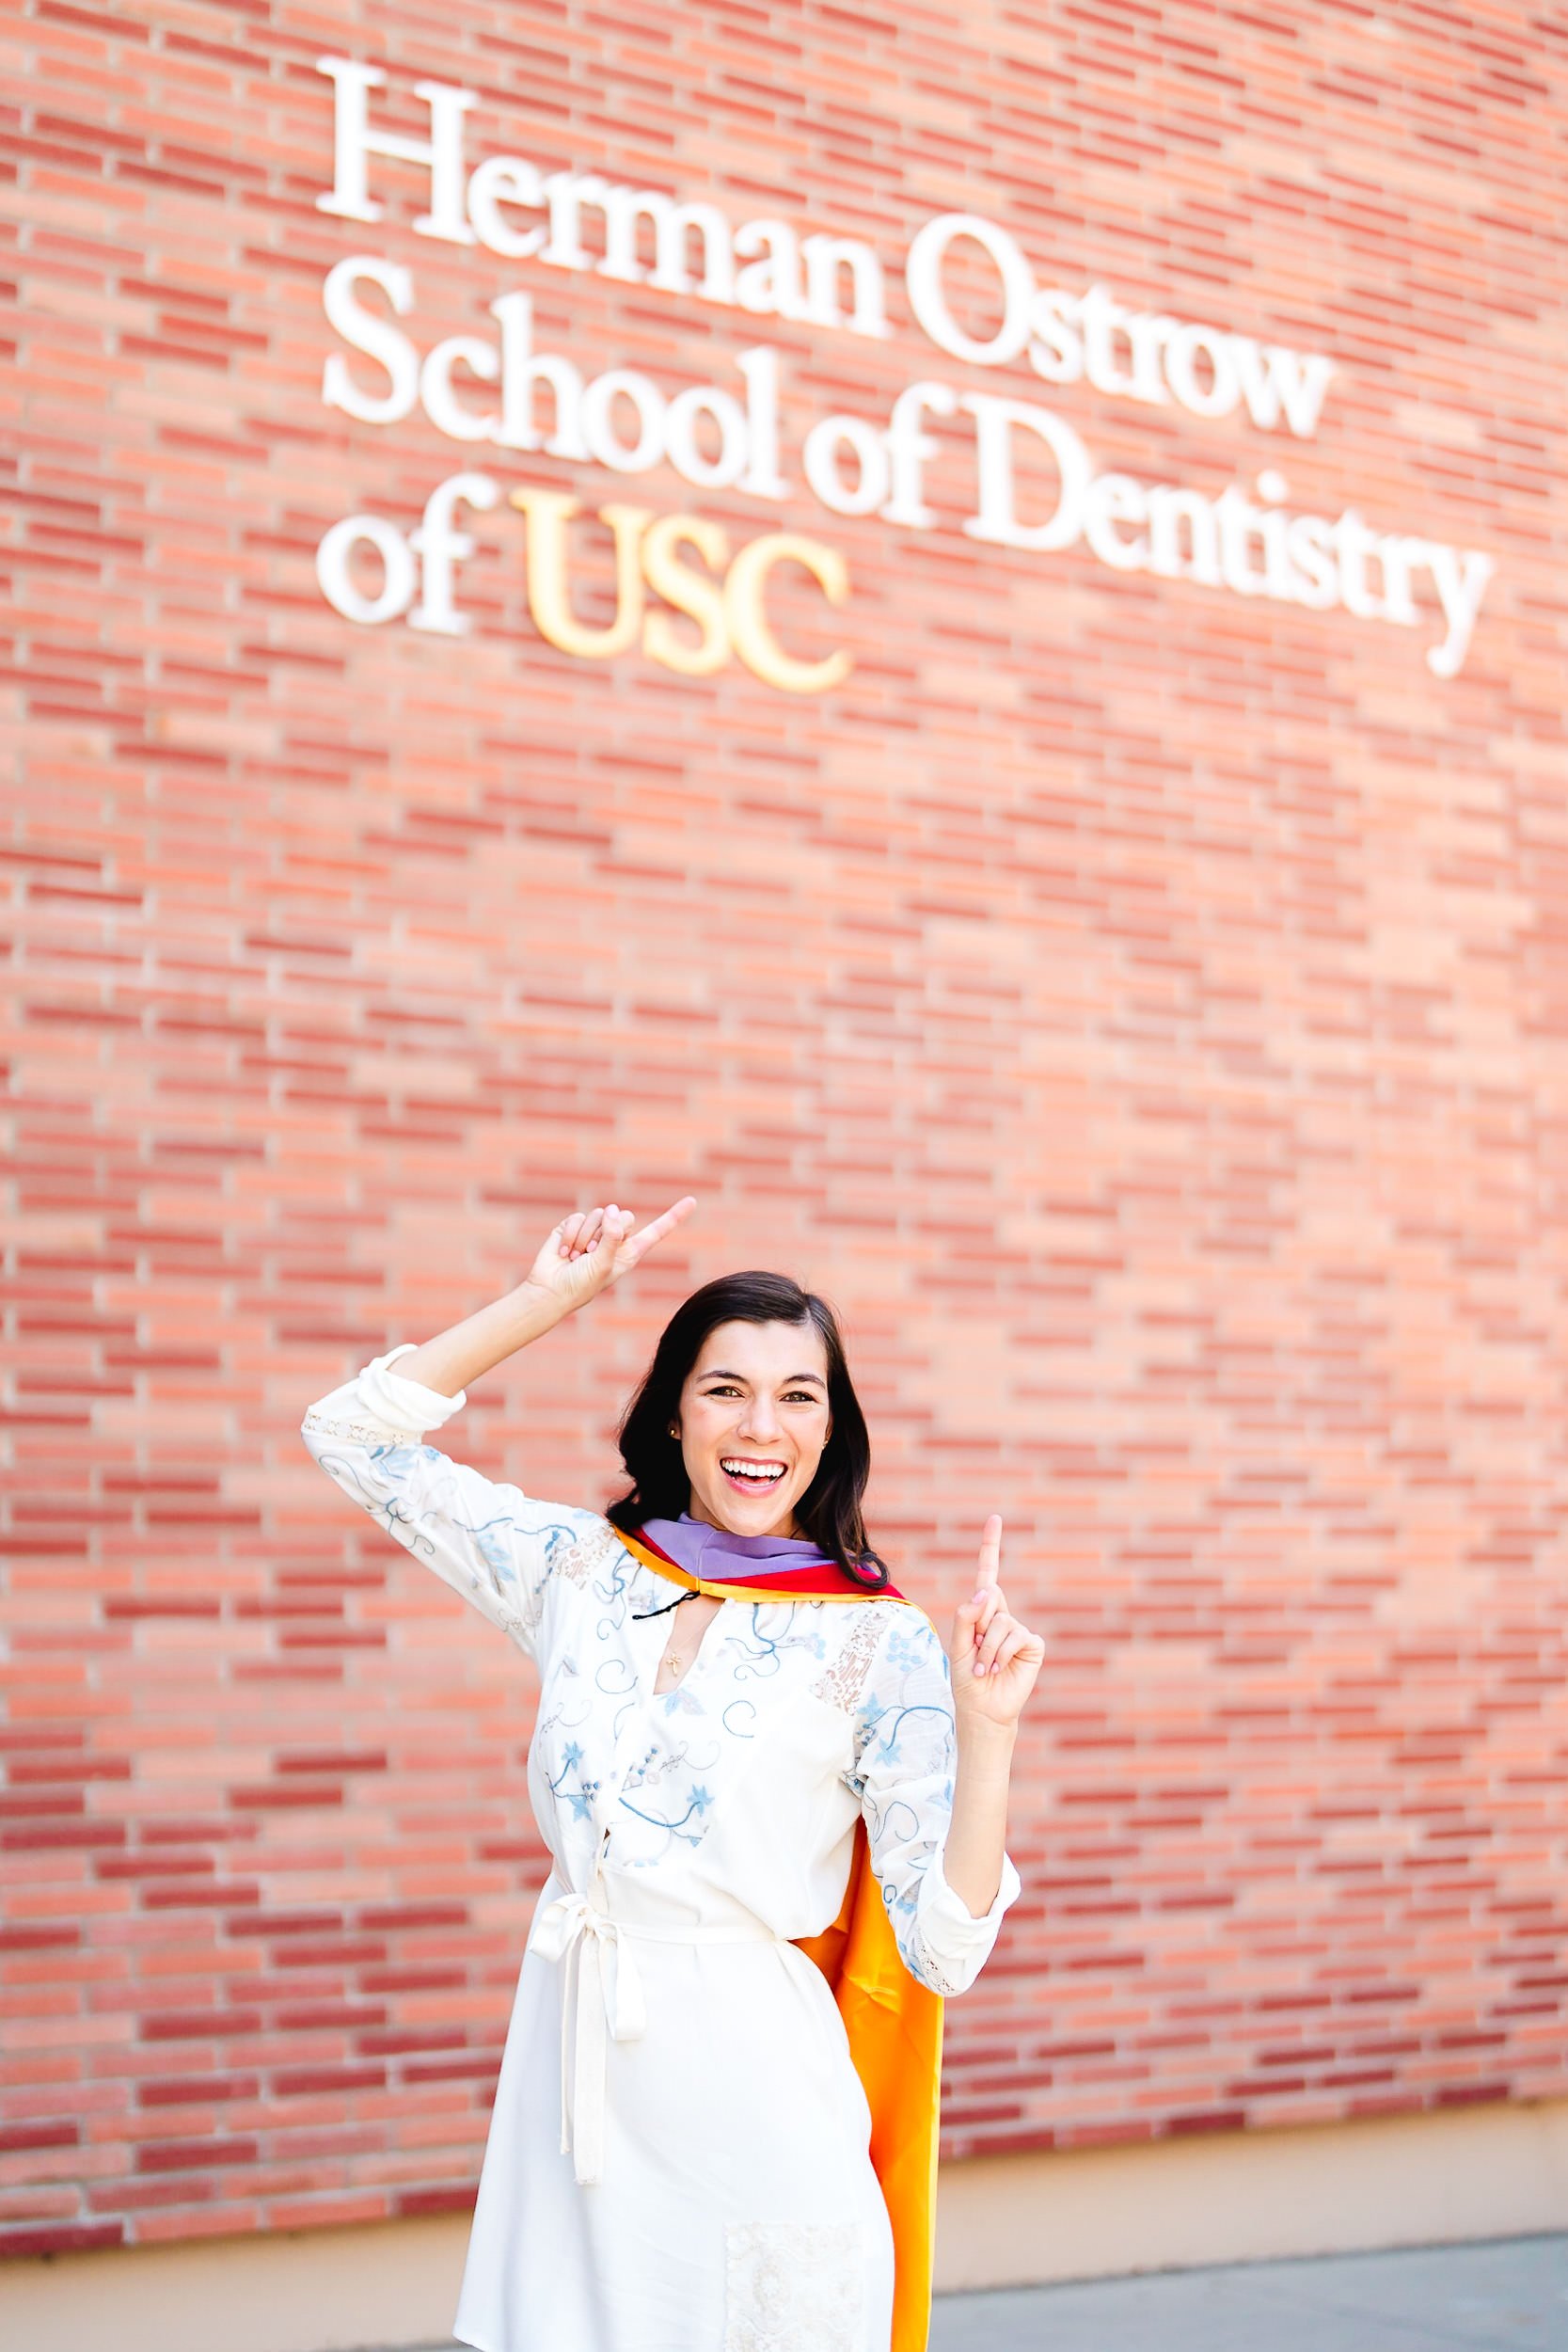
point(549, 513)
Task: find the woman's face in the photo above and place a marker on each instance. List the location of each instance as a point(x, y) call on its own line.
point(753, 1421)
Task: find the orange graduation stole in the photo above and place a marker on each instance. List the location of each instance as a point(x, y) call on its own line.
point(893, 2023)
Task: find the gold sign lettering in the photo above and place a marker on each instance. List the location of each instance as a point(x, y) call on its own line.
point(725, 598)
point(702, 600)
point(754, 640)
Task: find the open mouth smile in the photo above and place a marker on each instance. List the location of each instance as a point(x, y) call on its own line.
point(752, 1477)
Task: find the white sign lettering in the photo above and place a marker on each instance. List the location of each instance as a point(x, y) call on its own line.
point(497, 388)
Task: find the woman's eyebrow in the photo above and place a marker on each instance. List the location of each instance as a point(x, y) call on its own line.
point(793, 1381)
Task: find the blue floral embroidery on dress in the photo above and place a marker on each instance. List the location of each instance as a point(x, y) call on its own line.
point(495, 1549)
point(888, 1749)
point(610, 1754)
point(908, 1649)
point(581, 1798)
point(698, 1802)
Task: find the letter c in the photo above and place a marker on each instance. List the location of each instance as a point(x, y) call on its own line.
point(750, 627)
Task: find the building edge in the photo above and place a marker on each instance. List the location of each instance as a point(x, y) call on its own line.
point(1029, 2219)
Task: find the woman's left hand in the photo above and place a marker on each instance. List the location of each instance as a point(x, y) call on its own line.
point(994, 1659)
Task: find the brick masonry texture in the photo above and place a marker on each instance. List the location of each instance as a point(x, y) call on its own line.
point(1141, 1009)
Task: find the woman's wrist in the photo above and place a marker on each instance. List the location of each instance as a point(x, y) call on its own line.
point(539, 1309)
point(985, 1745)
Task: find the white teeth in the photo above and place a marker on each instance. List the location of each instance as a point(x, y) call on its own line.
point(757, 1473)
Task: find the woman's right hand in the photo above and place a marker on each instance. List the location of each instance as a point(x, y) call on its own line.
point(593, 1247)
point(583, 1253)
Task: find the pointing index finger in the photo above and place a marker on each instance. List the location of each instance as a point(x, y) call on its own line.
point(639, 1243)
point(991, 1553)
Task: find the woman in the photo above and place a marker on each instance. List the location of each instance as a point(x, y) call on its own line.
point(737, 1715)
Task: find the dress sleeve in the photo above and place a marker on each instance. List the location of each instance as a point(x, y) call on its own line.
point(489, 1542)
point(905, 1757)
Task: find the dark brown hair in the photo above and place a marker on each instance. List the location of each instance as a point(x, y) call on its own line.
point(830, 1510)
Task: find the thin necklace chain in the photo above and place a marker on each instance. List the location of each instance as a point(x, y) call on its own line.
point(671, 1658)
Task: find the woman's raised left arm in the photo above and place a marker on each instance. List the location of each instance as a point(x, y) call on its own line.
point(933, 1749)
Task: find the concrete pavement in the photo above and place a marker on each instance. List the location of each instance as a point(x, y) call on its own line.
point(1507, 2297)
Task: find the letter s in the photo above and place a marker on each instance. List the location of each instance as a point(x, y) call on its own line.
point(1057, 348)
point(363, 331)
point(1309, 544)
point(702, 600)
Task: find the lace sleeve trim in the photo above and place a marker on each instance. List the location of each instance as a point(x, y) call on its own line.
point(845, 1680)
point(369, 1432)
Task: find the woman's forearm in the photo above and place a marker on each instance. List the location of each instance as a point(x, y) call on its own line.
point(472, 1348)
point(976, 1835)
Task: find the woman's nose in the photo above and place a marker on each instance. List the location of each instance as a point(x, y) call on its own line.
point(759, 1422)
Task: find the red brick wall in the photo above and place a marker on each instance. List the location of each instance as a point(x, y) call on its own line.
point(1141, 1008)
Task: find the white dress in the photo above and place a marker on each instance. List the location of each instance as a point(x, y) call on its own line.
point(677, 2157)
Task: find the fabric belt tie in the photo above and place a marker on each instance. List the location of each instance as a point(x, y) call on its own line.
point(603, 1995)
point(601, 2001)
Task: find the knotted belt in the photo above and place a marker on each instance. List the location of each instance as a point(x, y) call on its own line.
point(602, 1993)
point(601, 2001)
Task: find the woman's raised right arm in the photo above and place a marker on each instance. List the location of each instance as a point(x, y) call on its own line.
point(586, 1252)
point(489, 1541)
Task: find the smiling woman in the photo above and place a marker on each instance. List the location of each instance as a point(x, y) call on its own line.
point(775, 1819)
point(748, 1419)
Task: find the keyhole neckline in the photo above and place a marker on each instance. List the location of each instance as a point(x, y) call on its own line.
point(676, 1638)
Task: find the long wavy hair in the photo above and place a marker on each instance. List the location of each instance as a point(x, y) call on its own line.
point(830, 1511)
